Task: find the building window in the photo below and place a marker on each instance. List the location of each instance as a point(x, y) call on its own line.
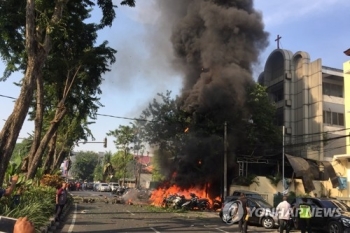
point(333, 118)
point(341, 118)
point(332, 89)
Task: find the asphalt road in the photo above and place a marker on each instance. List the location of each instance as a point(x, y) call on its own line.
point(100, 217)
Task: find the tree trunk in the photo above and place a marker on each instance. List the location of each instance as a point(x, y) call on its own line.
point(48, 164)
point(60, 158)
point(33, 166)
point(38, 123)
point(60, 113)
point(37, 55)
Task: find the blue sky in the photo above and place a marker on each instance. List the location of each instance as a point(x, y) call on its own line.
point(142, 69)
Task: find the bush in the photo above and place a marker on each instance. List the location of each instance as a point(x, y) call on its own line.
point(37, 203)
point(51, 180)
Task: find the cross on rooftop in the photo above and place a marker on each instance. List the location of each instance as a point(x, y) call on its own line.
point(278, 41)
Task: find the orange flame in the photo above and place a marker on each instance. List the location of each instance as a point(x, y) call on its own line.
point(159, 194)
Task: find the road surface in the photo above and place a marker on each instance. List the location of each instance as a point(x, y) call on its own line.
point(102, 217)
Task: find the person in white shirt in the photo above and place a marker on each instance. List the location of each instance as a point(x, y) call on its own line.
point(283, 210)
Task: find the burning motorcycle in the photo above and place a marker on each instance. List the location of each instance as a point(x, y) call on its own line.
point(196, 203)
point(216, 205)
point(119, 191)
point(168, 201)
point(179, 201)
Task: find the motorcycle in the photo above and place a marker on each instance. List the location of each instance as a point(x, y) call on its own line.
point(178, 201)
point(119, 191)
point(216, 205)
point(196, 203)
point(168, 201)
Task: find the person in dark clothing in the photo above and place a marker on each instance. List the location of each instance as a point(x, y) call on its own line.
point(61, 199)
point(243, 222)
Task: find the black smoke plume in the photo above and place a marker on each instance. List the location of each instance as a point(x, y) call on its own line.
point(215, 43)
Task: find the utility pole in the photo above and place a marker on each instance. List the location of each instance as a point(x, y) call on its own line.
point(283, 159)
point(124, 168)
point(225, 161)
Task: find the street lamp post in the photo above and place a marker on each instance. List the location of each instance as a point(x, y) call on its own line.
point(224, 194)
point(283, 160)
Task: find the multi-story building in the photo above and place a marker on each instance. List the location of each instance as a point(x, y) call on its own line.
point(310, 100)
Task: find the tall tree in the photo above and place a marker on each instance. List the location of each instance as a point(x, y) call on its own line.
point(195, 139)
point(84, 165)
point(124, 141)
point(165, 124)
point(121, 163)
point(27, 31)
point(261, 136)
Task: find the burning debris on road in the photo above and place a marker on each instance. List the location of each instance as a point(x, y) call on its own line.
point(177, 197)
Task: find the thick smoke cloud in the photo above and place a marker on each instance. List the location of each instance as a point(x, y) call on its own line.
point(215, 43)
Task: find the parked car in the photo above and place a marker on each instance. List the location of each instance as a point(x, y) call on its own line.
point(95, 187)
point(114, 186)
point(261, 213)
point(328, 215)
point(236, 194)
point(104, 187)
point(89, 186)
point(343, 206)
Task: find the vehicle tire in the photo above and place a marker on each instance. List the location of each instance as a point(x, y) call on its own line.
point(220, 215)
point(205, 206)
point(335, 227)
point(268, 223)
point(228, 221)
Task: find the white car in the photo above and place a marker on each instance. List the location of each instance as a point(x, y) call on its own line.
point(114, 186)
point(104, 187)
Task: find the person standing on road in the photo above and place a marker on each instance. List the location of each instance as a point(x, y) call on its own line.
point(304, 216)
point(243, 222)
point(61, 199)
point(9, 190)
point(283, 210)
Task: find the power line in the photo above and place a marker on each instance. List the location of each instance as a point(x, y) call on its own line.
point(125, 118)
point(9, 97)
point(293, 136)
point(106, 115)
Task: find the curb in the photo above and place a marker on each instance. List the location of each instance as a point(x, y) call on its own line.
point(52, 225)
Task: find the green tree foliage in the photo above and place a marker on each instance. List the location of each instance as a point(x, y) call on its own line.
point(84, 165)
point(190, 144)
point(178, 134)
point(159, 168)
point(121, 163)
point(166, 123)
point(124, 141)
point(33, 32)
point(261, 136)
point(21, 149)
point(98, 172)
